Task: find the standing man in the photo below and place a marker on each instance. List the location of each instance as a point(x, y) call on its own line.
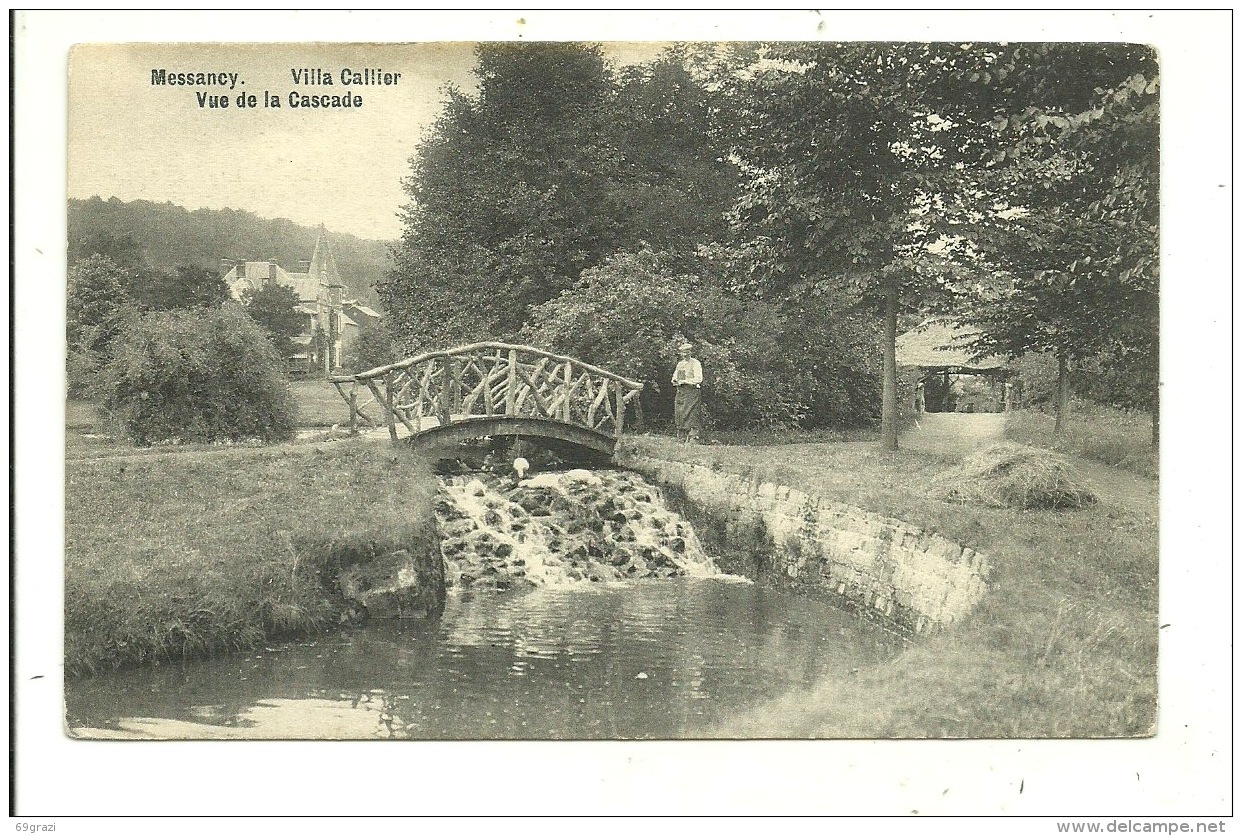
point(688, 403)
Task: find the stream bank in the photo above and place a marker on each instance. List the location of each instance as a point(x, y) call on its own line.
point(884, 568)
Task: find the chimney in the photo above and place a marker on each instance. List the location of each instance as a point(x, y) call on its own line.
point(304, 266)
point(271, 269)
point(226, 264)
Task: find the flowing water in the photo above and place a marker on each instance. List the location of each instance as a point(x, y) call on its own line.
point(579, 608)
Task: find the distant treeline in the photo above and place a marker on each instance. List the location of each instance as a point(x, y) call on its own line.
point(170, 236)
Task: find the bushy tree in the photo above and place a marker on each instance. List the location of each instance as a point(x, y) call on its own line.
point(373, 347)
point(96, 308)
point(185, 287)
point(552, 167)
point(273, 307)
point(200, 375)
point(630, 314)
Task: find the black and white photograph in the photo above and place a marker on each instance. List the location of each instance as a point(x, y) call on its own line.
point(587, 388)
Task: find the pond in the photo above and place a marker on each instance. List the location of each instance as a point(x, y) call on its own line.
point(624, 660)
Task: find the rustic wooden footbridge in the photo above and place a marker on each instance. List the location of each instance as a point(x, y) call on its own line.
point(491, 388)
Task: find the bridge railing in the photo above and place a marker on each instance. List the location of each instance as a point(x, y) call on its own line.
point(488, 380)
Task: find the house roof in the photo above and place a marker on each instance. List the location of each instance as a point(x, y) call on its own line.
point(303, 285)
point(363, 309)
point(259, 273)
point(942, 344)
point(322, 272)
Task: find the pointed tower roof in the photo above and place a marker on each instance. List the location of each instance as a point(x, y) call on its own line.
point(323, 264)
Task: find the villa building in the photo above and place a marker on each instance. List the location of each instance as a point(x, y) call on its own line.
point(331, 322)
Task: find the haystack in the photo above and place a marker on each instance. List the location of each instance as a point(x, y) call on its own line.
point(1010, 475)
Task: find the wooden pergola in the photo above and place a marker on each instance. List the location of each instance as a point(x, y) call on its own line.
point(939, 348)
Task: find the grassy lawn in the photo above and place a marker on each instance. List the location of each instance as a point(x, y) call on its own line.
point(319, 404)
point(1116, 437)
point(1064, 645)
point(174, 553)
point(743, 438)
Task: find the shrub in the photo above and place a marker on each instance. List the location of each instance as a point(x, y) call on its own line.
point(201, 375)
point(629, 315)
point(1014, 476)
point(374, 347)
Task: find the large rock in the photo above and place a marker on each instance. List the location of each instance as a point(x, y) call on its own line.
point(396, 585)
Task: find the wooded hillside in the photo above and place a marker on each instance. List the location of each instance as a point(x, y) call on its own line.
point(170, 236)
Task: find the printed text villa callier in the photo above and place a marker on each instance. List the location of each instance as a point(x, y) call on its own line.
point(223, 89)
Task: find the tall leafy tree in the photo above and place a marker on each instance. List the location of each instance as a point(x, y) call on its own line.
point(855, 156)
point(555, 165)
point(885, 170)
point(678, 181)
point(273, 306)
point(1080, 228)
point(505, 194)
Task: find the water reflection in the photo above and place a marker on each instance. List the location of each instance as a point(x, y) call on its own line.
point(660, 659)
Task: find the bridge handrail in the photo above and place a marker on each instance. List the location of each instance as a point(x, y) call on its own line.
point(371, 374)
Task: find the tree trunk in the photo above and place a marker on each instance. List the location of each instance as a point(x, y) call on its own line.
point(888, 414)
point(1063, 393)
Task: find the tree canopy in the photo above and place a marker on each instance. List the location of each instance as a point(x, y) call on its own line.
point(273, 307)
point(825, 189)
point(552, 167)
point(1080, 229)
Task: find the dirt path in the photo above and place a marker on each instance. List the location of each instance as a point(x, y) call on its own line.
point(954, 433)
point(1120, 488)
point(959, 434)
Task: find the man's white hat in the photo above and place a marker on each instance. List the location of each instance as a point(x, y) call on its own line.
point(684, 347)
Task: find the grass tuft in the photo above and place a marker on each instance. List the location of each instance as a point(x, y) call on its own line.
point(1010, 475)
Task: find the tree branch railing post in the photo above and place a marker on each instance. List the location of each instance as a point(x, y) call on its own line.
point(392, 414)
point(511, 392)
point(619, 420)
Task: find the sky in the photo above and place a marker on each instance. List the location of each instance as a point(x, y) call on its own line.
point(343, 167)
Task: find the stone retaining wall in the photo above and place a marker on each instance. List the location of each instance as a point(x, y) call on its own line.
point(916, 580)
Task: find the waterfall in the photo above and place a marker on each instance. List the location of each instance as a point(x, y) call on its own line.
point(572, 527)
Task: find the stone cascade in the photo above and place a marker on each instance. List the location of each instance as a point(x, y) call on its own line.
point(913, 579)
point(575, 527)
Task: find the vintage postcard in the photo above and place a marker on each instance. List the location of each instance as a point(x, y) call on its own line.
point(585, 389)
